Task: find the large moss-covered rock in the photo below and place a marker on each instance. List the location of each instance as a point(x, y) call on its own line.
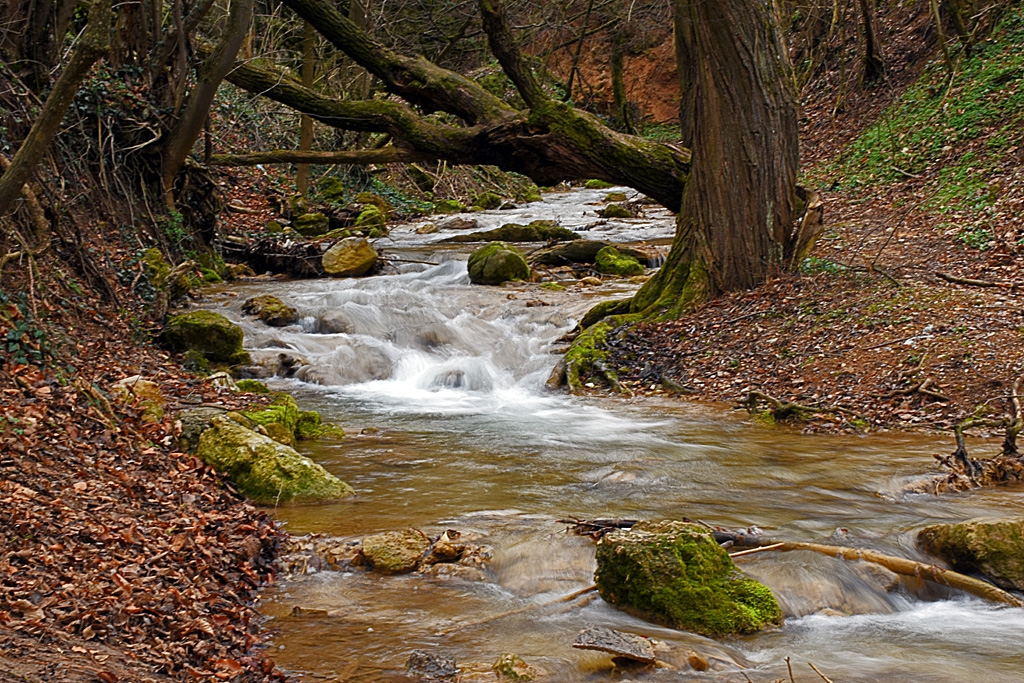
point(497, 263)
point(371, 218)
point(351, 257)
point(264, 470)
point(396, 552)
point(611, 261)
point(209, 333)
point(537, 231)
point(372, 199)
point(311, 224)
point(615, 211)
point(596, 184)
point(270, 310)
point(676, 574)
point(988, 545)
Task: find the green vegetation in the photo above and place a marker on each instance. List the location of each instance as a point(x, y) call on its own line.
point(933, 129)
point(611, 261)
point(496, 263)
point(596, 184)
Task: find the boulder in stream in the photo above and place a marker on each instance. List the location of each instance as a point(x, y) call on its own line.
point(992, 546)
point(536, 231)
point(396, 552)
point(617, 644)
point(208, 333)
point(676, 574)
point(611, 261)
point(430, 666)
point(270, 310)
point(264, 470)
point(497, 263)
point(351, 257)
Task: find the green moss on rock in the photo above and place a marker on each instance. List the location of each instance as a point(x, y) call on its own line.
point(376, 200)
point(211, 334)
point(396, 552)
point(615, 211)
point(448, 206)
point(369, 218)
point(487, 201)
point(351, 257)
point(497, 263)
point(611, 261)
point(987, 545)
point(536, 231)
point(676, 574)
point(264, 470)
point(252, 386)
point(270, 310)
point(596, 184)
point(310, 426)
point(311, 224)
point(283, 411)
point(156, 267)
point(615, 197)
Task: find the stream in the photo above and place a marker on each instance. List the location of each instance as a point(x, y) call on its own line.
point(440, 387)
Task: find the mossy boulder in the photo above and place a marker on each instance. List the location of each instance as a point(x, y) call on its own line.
point(332, 190)
point(311, 224)
point(351, 257)
point(449, 206)
point(371, 199)
point(676, 574)
point(283, 412)
point(596, 184)
point(252, 386)
point(156, 267)
point(396, 552)
point(611, 261)
point(371, 218)
point(530, 194)
point(615, 197)
point(311, 426)
point(615, 211)
point(270, 310)
point(211, 334)
point(536, 231)
point(987, 545)
point(497, 263)
point(487, 201)
point(264, 470)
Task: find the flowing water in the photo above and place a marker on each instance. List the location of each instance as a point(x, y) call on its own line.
point(440, 386)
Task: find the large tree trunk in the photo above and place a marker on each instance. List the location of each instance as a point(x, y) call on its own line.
point(738, 223)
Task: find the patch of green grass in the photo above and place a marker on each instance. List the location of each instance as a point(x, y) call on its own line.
point(934, 117)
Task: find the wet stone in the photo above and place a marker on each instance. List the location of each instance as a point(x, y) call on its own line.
point(428, 666)
point(616, 643)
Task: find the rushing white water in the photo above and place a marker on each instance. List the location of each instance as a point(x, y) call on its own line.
point(451, 378)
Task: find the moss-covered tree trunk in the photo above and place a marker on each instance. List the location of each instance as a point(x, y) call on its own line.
point(737, 222)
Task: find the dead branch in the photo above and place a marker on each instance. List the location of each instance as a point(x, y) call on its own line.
point(596, 528)
point(898, 565)
point(970, 282)
point(924, 388)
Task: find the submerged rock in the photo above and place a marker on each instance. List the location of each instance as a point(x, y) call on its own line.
point(676, 574)
point(351, 257)
point(988, 545)
point(264, 470)
point(270, 310)
point(431, 666)
point(497, 263)
point(396, 552)
point(211, 334)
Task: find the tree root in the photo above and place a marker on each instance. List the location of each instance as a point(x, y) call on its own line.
point(970, 282)
point(783, 410)
point(924, 388)
point(965, 473)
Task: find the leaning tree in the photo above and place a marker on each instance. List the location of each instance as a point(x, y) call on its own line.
point(741, 215)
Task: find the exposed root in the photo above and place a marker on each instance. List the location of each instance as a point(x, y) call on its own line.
point(925, 388)
point(784, 410)
point(963, 472)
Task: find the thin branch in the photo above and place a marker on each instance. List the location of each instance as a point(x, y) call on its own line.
point(360, 157)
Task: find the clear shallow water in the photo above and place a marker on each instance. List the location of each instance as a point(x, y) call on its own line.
point(452, 377)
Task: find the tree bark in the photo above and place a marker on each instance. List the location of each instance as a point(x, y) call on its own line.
point(737, 224)
point(186, 131)
point(93, 44)
point(620, 103)
point(305, 122)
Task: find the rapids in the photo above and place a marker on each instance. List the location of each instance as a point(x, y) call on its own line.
point(440, 386)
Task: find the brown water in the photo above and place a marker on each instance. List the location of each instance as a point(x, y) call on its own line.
point(452, 377)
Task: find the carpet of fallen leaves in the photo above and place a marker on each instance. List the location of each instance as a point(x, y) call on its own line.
point(121, 559)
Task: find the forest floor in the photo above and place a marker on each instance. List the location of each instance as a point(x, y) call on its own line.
point(122, 559)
